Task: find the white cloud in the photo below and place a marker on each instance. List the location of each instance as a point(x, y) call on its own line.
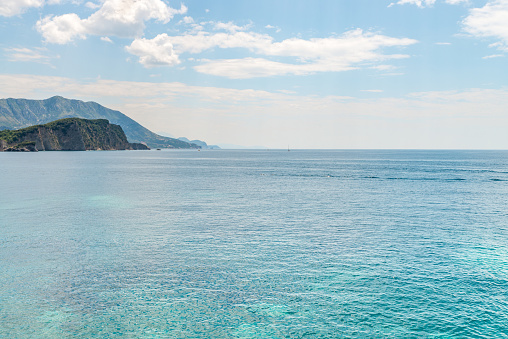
point(490, 21)
point(230, 27)
point(188, 20)
point(419, 3)
point(92, 5)
point(334, 54)
point(14, 7)
point(493, 56)
point(201, 41)
point(27, 55)
point(258, 67)
point(456, 2)
point(443, 43)
point(194, 27)
point(123, 18)
point(61, 29)
point(426, 3)
point(383, 67)
point(106, 39)
point(277, 29)
point(32, 85)
point(155, 52)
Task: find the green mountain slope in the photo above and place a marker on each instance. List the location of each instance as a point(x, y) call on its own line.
point(20, 113)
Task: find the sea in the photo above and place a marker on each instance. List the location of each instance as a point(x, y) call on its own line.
point(254, 244)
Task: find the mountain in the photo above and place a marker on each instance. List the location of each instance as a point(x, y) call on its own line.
point(20, 113)
point(71, 134)
point(200, 143)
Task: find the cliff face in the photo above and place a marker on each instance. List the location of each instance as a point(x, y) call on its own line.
point(71, 134)
point(20, 113)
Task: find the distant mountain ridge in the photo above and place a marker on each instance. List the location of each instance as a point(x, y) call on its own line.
point(20, 113)
point(200, 143)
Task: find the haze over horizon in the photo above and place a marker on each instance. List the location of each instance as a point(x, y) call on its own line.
point(335, 74)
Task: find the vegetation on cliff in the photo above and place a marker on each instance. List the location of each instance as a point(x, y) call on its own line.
point(70, 134)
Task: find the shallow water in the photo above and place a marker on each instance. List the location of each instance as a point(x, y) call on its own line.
point(254, 244)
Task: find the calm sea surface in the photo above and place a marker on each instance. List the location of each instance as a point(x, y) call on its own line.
point(254, 244)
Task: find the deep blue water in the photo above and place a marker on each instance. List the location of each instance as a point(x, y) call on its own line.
point(254, 244)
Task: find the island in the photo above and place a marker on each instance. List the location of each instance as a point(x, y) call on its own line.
point(70, 134)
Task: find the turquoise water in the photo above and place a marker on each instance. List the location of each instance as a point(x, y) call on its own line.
point(254, 244)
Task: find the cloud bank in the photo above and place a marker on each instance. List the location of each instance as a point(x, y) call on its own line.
point(474, 118)
point(333, 54)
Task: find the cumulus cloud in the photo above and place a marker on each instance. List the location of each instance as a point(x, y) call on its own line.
point(333, 54)
point(155, 52)
point(122, 18)
point(61, 29)
point(490, 21)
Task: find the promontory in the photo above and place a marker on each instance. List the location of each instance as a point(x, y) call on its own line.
point(70, 134)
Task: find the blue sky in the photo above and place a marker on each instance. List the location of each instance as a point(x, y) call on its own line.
point(310, 74)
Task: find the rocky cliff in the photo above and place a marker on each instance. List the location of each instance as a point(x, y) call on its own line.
point(71, 134)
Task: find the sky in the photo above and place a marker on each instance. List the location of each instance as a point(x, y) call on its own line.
point(340, 74)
